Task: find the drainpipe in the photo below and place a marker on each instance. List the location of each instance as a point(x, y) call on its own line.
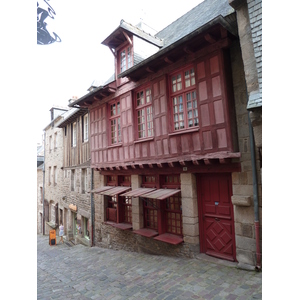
point(255, 195)
point(92, 207)
point(43, 225)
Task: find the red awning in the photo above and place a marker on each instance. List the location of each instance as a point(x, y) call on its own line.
point(161, 194)
point(101, 189)
point(115, 190)
point(138, 192)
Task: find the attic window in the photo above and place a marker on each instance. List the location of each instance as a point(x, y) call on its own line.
point(125, 58)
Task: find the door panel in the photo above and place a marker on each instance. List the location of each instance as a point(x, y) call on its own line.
point(216, 215)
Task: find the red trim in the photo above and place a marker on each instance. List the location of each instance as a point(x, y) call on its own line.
point(146, 232)
point(169, 238)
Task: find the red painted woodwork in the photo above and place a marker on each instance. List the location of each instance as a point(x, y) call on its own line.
point(212, 136)
point(169, 238)
point(216, 219)
point(146, 232)
point(111, 214)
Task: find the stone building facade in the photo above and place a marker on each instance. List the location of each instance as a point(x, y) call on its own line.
point(211, 177)
point(53, 170)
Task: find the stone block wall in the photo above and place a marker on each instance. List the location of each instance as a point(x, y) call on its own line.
point(242, 182)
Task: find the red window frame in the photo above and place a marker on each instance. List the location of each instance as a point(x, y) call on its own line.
point(164, 216)
point(115, 122)
point(184, 100)
point(125, 58)
point(144, 113)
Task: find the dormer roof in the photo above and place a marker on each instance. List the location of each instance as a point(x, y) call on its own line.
point(122, 33)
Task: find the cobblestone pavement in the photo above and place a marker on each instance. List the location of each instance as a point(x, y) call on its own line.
point(81, 272)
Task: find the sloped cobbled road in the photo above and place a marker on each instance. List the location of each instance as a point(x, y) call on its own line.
point(80, 272)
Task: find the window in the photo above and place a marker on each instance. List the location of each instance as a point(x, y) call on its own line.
point(125, 58)
point(163, 216)
point(55, 175)
point(119, 209)
point(50, 175)
point(50, 143)
point(184, 99)
point(83, 180)
point(143, 103)
point(86, 228)
point(85, 128)
point(55, 140)
point(72, 180)
point(74, 134)
point(115, 122)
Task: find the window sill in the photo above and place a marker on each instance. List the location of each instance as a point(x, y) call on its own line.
point(115, 145)
point(169, 238)
point(146, 232)
point(182, 131)
point(144, 140)
point(122, 226)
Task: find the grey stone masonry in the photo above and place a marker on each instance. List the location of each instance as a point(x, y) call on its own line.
point(255, 18)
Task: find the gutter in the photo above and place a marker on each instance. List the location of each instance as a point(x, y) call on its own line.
point(43, 225)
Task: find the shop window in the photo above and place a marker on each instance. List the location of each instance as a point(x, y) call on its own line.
point(119, 208)
point(162, 208)
point(86, 228)
point(184, 99)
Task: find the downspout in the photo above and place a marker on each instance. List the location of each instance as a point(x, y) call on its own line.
point(92, 207)
point(43, 225)
point(255, 194)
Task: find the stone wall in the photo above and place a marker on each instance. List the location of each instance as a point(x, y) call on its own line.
point(242, 182)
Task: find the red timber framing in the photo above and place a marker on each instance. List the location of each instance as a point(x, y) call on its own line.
point(206, 139)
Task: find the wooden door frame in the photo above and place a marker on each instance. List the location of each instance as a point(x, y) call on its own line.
point(200, 212)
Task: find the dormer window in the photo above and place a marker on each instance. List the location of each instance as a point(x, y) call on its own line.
point(125, 58)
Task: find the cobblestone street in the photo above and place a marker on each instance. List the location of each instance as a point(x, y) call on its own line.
point(79, 272)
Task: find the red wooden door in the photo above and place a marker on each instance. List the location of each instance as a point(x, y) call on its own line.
point(216, 216)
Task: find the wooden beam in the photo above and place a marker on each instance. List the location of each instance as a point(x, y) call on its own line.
point(97, 98)
point(141, 166)
point(224, 32)
point(111, 168)
point(168, 60)
point(210, 38)
point(113, 52)
point(182, 163)
point(224, 160)
point(195, 162)
point(118, 168)
point(207, 161)
point(171, 164)
point(150, 166)
point(133, 167)
point(159, 165)
point(125, 167)
point(188, 50)
point(127, 37)
point(150, 70)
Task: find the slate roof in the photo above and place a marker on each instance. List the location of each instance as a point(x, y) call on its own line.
point(192, 20)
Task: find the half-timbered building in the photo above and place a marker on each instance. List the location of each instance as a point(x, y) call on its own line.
point(170, 143)
point(75, 200)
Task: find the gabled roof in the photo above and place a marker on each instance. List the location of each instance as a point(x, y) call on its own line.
point(120, 35)
point(70, 116)
point(200, 15)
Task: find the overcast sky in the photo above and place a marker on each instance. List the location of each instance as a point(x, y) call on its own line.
point(68, 68)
